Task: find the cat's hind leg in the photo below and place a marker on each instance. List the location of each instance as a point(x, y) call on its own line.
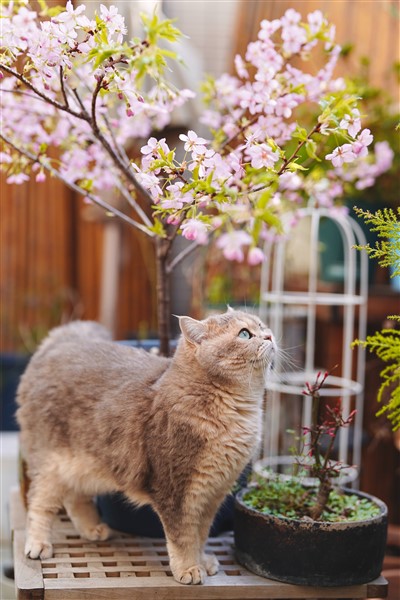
point(45, 498)
point(85, 517)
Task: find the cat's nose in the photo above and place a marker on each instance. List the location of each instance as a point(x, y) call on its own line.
point(268, 337)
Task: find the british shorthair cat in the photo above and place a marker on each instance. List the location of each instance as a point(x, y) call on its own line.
point(175, 433)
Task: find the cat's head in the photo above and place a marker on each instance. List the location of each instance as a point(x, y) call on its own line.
point(231, 346)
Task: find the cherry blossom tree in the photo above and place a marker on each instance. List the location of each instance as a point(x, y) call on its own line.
point(77, 85)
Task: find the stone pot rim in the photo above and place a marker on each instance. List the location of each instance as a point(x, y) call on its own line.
point(306, 524)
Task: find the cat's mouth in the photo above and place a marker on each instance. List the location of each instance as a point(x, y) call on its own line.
point(266, 352)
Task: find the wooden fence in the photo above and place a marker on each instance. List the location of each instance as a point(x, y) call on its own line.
point(51, 265)
point(371, 28)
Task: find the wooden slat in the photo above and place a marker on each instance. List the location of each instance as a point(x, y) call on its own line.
point(28, 573)
point(138, 568)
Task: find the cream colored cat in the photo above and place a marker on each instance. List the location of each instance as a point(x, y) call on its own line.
point(99, 417)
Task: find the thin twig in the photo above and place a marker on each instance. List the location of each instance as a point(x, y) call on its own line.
point(63, 87)
point(84, 111)
point(181, 256)
point(117, 146)
point(132, 202)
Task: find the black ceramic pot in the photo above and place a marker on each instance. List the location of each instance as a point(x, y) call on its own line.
point(311, 553)
point(119, 514)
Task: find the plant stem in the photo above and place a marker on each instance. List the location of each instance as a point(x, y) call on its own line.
point(287, 161)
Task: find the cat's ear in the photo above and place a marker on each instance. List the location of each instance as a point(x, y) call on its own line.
point(193, 331)
point(229, 309)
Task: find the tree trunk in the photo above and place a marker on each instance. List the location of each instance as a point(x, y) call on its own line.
point(322, 498)
point(163, 295)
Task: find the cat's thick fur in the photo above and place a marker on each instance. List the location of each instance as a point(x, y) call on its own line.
point(98, 417)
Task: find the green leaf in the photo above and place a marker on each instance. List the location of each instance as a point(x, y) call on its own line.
point(264, 198)
point(294, 166)
point(46, 11)
point(158, 228)
point(155, 29)
point(300, 133)
point(86, 184)
point(311, 148)
point(270, 218)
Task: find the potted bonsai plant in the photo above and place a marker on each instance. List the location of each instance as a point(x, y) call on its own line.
point(312, 534)
point(75, 93)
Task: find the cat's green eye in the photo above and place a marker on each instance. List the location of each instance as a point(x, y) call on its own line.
point(245, 334)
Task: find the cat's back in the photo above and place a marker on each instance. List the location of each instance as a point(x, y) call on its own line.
point(81, 360)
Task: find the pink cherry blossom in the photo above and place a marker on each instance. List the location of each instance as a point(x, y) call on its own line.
point(41, 176)
point(360, 145)
point(17, 178)
point(202, 158)
point(285, 105)
point(262, 155)
point(341, 154)
point(384, 156)
point(290, 181)
point(291, 17)
point(231, 244)
point(351, 122)
point(5, 158)
point(268, 29)
point(72, 17)
point(254, 115)
point(255, 256)
point(315, 20)
point(192, 140)
point(114, 21)
point(241, 67)
point(195, 230)
point(365, 137)
point(293, 39)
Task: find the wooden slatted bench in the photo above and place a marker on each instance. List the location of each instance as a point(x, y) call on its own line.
point(133, 568)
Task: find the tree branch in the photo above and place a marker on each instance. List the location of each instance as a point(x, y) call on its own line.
point(76, 188)
point(126, 169)
point(47, 99)
point(96, 92)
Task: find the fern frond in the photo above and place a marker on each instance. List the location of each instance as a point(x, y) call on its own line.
point(392, 409)
point(386, 345)
point(386, 223)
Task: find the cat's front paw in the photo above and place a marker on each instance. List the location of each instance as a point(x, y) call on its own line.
point(210, 563)
point(38, 549)
point(192, 576)
point(99, 532)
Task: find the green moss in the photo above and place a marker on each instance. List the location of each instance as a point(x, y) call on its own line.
point(292, 500)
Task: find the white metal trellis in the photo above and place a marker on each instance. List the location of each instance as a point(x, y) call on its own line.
point(277, 302)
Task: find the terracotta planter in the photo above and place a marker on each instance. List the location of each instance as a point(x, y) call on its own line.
point(310, 552)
